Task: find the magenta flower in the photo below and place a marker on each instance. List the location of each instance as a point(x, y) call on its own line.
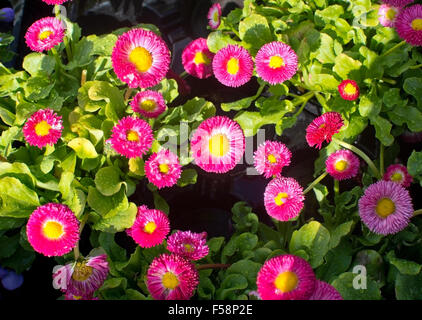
point(163, 169)
point(387, 15)
point(44, 34)
point(409, 24)
point(323, 128)
point(42, 128)
point(271, 157)
point(149, 103)
point(349, 90)
point(342, 164)
point(214, 16)
point(325, 291)
point(190, 245)
point(197, 59)
point(398, 173)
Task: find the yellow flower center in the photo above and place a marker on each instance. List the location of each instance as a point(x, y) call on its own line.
point(341, 165)
point(170, 280)
point(350, 89)
point(385, 207)
point(132, 135)
point(150, 227)
point(148, 105)
point(233, 66)
point(321, 126)
point(281, 198)
point(53, 230)
point(390, 14)
point(44, 35)
point(42, 128)
point(271, 158)
point(164, 168)
point(417, 24)
point(219, 145)
point(286, 281)
point(397, 177)
point(276, 62)
point(82, 272)
point(77, 297)
point(215, 16)
point(141, 58)
point(201, 58)
point(188, 247)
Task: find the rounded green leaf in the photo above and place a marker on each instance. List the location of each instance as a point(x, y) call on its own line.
point(107, 181)
point(83, 147)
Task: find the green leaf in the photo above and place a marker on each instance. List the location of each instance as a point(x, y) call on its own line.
point(107, 206)
point(113, 250)
point(231, 283)
point(187, 177)
point(160, 203)
point(346, 67)
point(246, 268)
point(20, 261)
point(382, 130)
point(408, 287)
point(36, 62)
point(18, 170)
point(339, 232)
point(37, 88)
point(413, 86)
point(407, 114)
point(344, 285)
point(414, 165)
point(107, 181)
point(120, 221)
point(218, 40)
point(168, 88)
point(254, 32)
point(10, 223)
point(314, 238)
point(8, 245)
point(404, 266)
point(215, 244)
point(83, 147)
point(17, 200)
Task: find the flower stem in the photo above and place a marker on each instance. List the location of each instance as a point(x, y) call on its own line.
point(68, 49)
point(416, 67)
point(306, 98)
point(83, 77)
point(213, 266)
point(183, 75)
point(76, 251)
point(382, 159)
point(361, 154)
point(315, 182)
point(398, 45)
point(336, 187)
point(417, 212)
point(128, 93)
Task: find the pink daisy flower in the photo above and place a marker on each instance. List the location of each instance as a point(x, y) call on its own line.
point(233, 66)
point(398, 173)
point(163, 169)
point(349, 90)
point(71, 296)
point(42, 128)
point(342, 164)
point(218, 144)
point(140, 58)
point(271, 157)
point(131, 137)
point(286, 277)
point(53, 229)
point(397, 3)
point(54, 1)
point(44, 34)
point(409, 24)
point(325, 291)
point(283, 198)
point(172, 277)
point(149, 103)
point(190, 245)
point(197, 59)
point(276, 62)
point(150, 228)
point(387, 15)
point(323, 128)
point(214, 16)
point(81, 278)
point(386, 207)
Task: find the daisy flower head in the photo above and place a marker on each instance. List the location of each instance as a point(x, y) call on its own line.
point(131, 137)
point(323, 128)
point(163, 169)
point(342, 164)
point(192, 246)
point(81, 278)
point(398, 173)
point(45, 34)
point(387, 15)
point(172, 277)
point(386, 207)
point(140, 58)
point(53, 2)
point(283, 198)
point(42, 128)
point(149, 103)
point(53, 229)
point(71, 296)
point(271, 157)
point(276, 62)
point(150, 228)
point(214, 16)
point(349, 90)
point(218, 144)
point(286, 277)
point(409, 24)
point(397, 3)
point(325, 291)
point(197, 59)
point(233, 66)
